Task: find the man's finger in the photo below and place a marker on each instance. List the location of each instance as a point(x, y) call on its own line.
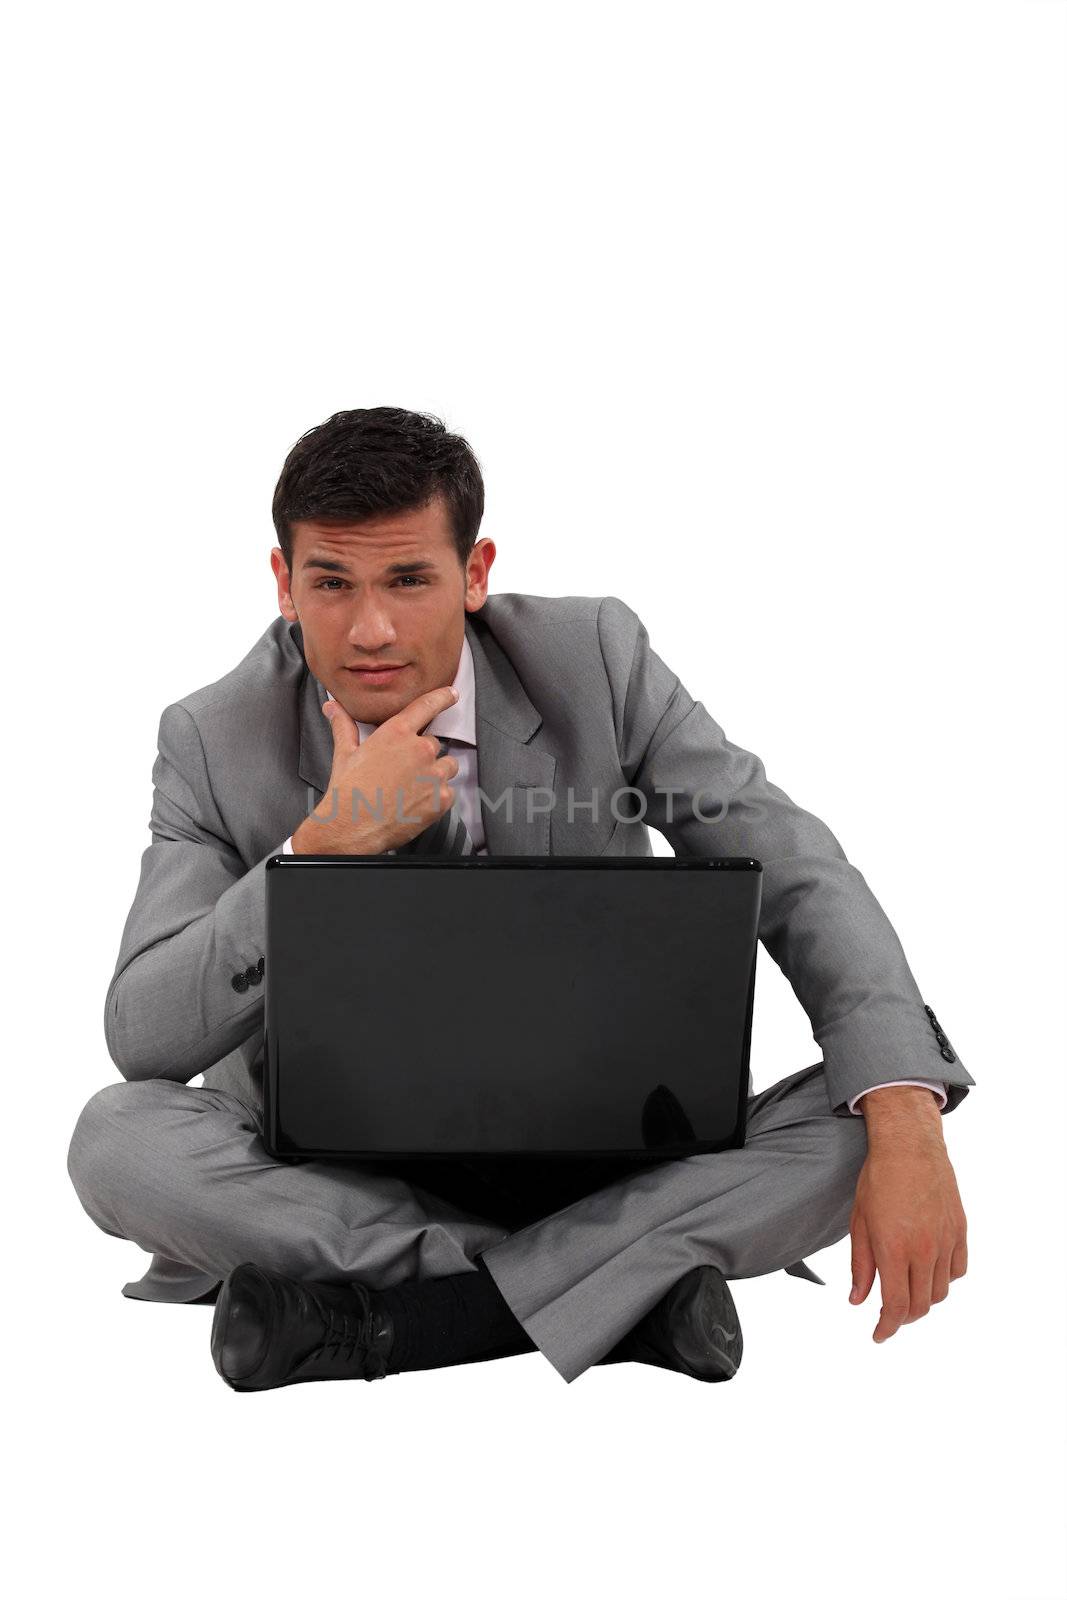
point(920, 1287)
point(893, 1271)
point(418, 712)
point(958, 1264)
point(345, 733)
point(862, 1260)
point(940, 1283)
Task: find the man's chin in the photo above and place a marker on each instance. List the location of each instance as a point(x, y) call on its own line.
point(377, 707)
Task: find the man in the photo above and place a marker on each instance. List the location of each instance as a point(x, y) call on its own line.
point(395, 705)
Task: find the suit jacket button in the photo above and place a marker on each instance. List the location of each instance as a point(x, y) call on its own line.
point(254, 975)
point(947, 1054)
point(259, 964)
point(240, 982)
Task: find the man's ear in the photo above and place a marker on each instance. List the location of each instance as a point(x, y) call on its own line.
point(281, 573)
point(479, 561)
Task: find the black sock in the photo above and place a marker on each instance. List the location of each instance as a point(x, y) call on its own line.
point(443, 1322)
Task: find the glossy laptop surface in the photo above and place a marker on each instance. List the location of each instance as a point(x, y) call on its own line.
point(508, 1005)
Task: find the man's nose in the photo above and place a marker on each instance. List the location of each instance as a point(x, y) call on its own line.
point(370, 628)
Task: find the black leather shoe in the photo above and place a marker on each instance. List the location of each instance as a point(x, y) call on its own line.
point(269, 1331)
point(694, 1329)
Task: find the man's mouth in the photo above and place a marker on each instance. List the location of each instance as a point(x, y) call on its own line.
point(376, 674)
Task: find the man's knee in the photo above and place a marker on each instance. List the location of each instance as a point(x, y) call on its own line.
point(797, 1121)
point(102, 1134)
point(844, 1139)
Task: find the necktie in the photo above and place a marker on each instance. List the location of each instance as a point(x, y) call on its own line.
point(446, 835)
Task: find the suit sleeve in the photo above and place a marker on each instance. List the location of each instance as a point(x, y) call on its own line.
point(187, 984)
point(938, 1090)
point(819, 919)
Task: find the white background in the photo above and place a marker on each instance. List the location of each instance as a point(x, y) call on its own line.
point(754, 316)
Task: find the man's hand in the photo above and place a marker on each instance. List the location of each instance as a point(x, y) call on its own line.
point(907, 1220)
point(384, 792)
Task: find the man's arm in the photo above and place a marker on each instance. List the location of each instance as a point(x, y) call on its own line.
point(819, 920)
point(188, 987)
point(183, 994)
point(907, 1221)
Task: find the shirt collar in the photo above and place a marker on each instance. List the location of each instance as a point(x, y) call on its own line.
point(456, 721)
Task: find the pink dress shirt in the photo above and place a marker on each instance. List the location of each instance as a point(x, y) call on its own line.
point(457, 722)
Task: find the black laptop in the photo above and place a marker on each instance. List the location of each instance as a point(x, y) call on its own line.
point(508, 1006)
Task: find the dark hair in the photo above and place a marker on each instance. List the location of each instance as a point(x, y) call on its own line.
point(361, 464)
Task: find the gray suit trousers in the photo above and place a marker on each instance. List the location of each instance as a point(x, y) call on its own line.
point(183, 1172)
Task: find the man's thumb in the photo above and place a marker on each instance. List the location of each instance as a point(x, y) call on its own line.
point(863, 1262)
point(344, 730)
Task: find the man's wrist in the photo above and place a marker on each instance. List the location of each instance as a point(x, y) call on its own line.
point(297, 844)
point(890, 1110)
point(312, 838)
point(316, 837)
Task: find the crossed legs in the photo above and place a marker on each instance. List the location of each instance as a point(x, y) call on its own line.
point(183, 1172)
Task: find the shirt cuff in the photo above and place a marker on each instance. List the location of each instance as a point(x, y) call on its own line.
point(287, 847)
point(939, 1088)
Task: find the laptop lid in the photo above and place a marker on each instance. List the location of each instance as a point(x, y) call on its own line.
point(508, 1006)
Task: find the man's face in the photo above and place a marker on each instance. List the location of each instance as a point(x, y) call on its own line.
point(384, 594)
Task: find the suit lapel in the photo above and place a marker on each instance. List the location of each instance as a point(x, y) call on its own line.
point(507, 765)
point(505, 720)
point(316, 740)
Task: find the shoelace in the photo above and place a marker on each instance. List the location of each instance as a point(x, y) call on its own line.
point(347, 1336)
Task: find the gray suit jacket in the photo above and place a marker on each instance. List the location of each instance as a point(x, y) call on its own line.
point(570, 699)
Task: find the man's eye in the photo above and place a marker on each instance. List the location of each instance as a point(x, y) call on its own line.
point(405, 578)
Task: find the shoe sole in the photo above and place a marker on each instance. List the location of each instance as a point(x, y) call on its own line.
point(708, 1342)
